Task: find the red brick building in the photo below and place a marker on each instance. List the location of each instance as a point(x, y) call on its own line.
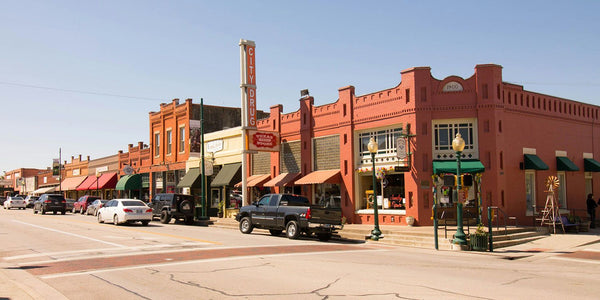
point(508, 131)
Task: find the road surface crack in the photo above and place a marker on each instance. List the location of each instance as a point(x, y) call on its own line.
point(120, 286)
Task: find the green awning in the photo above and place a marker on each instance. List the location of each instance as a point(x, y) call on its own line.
point(533, 162)
point(563, 163)
point(449, 166)
point(229, 175)
point(191, 179)
point(129, 182)
point(591, 165)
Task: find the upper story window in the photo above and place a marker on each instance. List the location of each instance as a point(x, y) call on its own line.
point(169, 141)
point(156, 144)
point(182, 139)
point(444, 131)
point(386, 141)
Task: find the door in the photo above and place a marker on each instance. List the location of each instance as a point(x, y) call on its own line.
point(530, 193)
point(271, 211)
point(258, 214)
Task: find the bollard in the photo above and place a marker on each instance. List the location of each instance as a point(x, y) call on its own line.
point(435, 226)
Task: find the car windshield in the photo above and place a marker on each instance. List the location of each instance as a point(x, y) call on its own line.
point(133, 203)
point(56, 197)
point(17, 198)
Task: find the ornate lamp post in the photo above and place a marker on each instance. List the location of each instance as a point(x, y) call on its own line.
point(376, 232)
point(458, 144)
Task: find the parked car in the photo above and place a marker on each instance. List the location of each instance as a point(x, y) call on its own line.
point(120, 211)
point(50, 202)
point(93, 208)
point(83, 202)
point(14, 202)
point(69, 204)
point(177, 206)
point(29, 200)
point(292, 213)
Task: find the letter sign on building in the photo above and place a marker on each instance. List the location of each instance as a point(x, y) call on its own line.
point(248, 60)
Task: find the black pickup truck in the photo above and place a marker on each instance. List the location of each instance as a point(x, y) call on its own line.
point(292, 213)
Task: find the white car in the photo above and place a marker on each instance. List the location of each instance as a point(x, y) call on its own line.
point(29, 200)
point(120, 211)
point(14, 202)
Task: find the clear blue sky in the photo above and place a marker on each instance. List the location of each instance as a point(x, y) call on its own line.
point(83, 75)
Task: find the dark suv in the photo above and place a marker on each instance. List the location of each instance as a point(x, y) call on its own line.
point(50, 202)
point(177, 206)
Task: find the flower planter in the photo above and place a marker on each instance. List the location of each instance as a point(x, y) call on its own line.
point(410, 221)
point(479, 242)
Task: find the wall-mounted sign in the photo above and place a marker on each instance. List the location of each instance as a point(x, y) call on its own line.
point(195, 138)
point(76, 172)
point(101, 169)
point(214, 146)
point(263, 141)
point(401, 148)
point(452, 86)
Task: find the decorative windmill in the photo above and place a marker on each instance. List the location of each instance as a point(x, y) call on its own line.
point(550, 214)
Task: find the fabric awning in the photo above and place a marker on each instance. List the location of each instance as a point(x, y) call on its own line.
point(257, 180)
point(254, 180)
point(282, 179)
point(88, 184)
point(71, 183)
point(129, 182)
point(563, 163)
point(449, 166)
point(533, 162)
point(317, 177)
point(191, 179)
point(228, 175)
point(591, 165)
point(106, 181)
point(45, 190)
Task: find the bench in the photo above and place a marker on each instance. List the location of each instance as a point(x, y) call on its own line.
point(568, 226)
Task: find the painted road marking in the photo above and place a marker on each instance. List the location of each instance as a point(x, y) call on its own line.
point(71, 234)
point(85, 266)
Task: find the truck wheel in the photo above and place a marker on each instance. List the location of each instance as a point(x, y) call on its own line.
point(189, 220)
point(292, 230)
point(323, 237)
point(275, 232)
point(246, 225)
point(165, 217)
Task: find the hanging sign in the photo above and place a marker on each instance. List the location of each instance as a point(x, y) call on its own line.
point(263, 141)
point(248, 60)
point(401, 148)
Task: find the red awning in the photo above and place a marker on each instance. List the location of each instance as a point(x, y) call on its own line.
point(71, 183)
point(283, 179)
point(106, 181)
point(255, 180)
point(317, 177)
point(87, 184)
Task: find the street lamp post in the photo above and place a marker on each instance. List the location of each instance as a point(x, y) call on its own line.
point(458, 144)
point(372, 146)
point(97, 184)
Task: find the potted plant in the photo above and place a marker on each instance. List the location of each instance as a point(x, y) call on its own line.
point(479, 240)
point(221, 208)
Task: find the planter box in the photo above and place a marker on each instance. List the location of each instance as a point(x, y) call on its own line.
point(479, 242)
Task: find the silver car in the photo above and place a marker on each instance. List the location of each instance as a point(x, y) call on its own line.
point(14, 202)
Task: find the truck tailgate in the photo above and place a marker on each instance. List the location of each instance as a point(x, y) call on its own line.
point(331, 216)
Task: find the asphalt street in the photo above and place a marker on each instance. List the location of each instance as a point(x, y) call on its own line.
point(74, 257)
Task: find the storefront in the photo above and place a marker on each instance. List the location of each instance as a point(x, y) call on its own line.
point(324, 187)
point(130, 186)
point(69, 186)
point(222, 186)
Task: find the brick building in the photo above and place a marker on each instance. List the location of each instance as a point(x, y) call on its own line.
point(507, 131)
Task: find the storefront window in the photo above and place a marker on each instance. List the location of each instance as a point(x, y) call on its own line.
point(562, 190)
point(328, 195)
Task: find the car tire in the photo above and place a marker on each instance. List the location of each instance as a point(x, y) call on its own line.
point(145, 222)
point(43, 212)
point(116, 220)
point(165, 217)
point(324, 237)
point(99, 216)
point(292, 230)
point(54, 212)
point(62, 212)
point(246, 226)
point(189, 220)
point(34, 211)
point(81, 210)
point(73, 210)
point(275, 232)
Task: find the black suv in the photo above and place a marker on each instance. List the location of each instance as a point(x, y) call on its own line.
point(177, 206)
point(50, 202)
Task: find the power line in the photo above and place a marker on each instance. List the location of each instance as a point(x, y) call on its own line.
point(78, 91)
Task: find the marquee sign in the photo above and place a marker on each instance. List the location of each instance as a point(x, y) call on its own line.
point(248, 60)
